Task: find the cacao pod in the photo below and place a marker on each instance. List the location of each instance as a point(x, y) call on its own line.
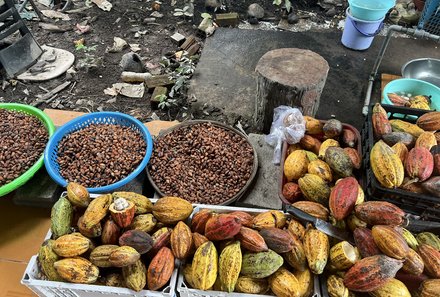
point(139, 240)
point(313, 126)
point(379, 213)
point(411, 186)
point(343, 255)
point(430, 288)
point(271, 218)
point(187, 274)
point(426, 140)
point(311, 156)
point(343, 197)
point(123, 216)
point(356, 160)
point(431, 259)
point(291, 192)
point(411, 281)
point(71, 245)
point(199, 239)
point(295, 165)
point(205, 266)
point(321, 169)
point(278, 240)
point(160, 269)
point(114, 280)
point(110, 233)
point(143, 222)
point(386, 165)
point(432, 186)
point(413, 263)
point(435, 151)
point(77, 270)
point(251, 240)
point(245, 218)
point(296, 257)
point(429, 121)
point(135, 276)
point(313, 208)
point(306, 282)
point(419, 164)
point(181, 240)
point(292, 148)
point(77, 194)
point(390, 242)
point(429, 239)
point(284, 283)
point(399, 137)
point(260, 265)
point(316, 247)
point(371, 273)
point(379, 119)
point(348, 137)
point(336, 287)
point(310, 143)
point(142, 203)
point(365, 242)
point(47, 257)
point(325, 145)
point(101, 254)
point(250, 285)
point(392, 288)
point(230, 266)
point(410, 239)
point(170, 210)
point(93, 231)
point(354, 222)
point(199, 219)
point(314, 188)
point(332, 128)
point(222, 226)
point(97, 210)
point(402, 126)
point(401, 150)
point(123, 256)
point(61, 217)
point(339, 161)
point(161, 238)
point(296, 229)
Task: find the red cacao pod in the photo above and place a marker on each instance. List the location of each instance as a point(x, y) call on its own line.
point(222, 226)
point(419, 163)
point(245, 218)
point(278, 240)
point(379, 213)
point(365, 242)
point(110, 232)
point(343, 197)
point(199, 219)
point(251, 240)
point(160, 269)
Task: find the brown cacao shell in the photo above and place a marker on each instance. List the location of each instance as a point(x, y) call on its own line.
point(430, 288)
point(251, 240)
point(310, 143)
point(379, 213)
point(365, 242)
point(181, 240)
point(160, 269)
point(110, 232)
point(395, 137)
point(432, 186)
point(332, 128)
point(278, 240)
point(356, 160)
point(435, 151)
point(222, 226)
point(139, 240)
point(431, 258)
point(429, 121)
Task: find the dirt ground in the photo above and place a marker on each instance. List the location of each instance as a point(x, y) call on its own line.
point(125, 20)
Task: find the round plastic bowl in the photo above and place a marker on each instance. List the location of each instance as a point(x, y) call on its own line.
point(28, 174)
point(413, 87)
point(115, 118)
point(370, 10)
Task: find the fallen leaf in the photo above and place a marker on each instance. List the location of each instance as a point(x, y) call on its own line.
point(52, 14)
point(135, 47)
point(103, 4)
point(82, 29)
point(118, 45)
point(127, 90)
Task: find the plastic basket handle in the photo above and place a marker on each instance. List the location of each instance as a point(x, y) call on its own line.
point(354, 23)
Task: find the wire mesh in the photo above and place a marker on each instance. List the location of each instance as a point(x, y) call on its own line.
point(430, 19)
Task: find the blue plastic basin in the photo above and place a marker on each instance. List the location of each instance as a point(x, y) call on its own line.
point(370, 10)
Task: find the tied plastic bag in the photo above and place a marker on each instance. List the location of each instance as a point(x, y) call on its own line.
point(288, 124)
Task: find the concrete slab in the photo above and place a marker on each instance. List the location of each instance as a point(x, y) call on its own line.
point(225, 77)
point(264, 191)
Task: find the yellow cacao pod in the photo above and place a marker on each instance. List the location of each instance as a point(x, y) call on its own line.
point(386, 165)
point(187, 274)
point(78, 194)
point(361, 196)
point(311, 156)
point(343, 255)
point(101, 254)
point(336, 287)
point(144, 222)
point(267, 219)
point(325, 145)
point(401, 150)
point(305, 279)
point(321, 169)
point(71, 245)
point(295, 165)
point(77, 270)
point(250, 285)
point(296, 229)
point(284, 284)
point(430, 288)
point(135, 276)
point(124, 256)
point(314, 188)
point(392, 288)
point(114, 280)
point(170, 210)
point(205, 266)
point(230, 266)
point(426, 140)
point(316, 247)
point(96, 210)
point(402, 126)
point(313, 126)
point(142, 203)
point(47, 257)
point(410, 239)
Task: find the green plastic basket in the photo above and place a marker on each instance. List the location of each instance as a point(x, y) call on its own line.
point(28, 174)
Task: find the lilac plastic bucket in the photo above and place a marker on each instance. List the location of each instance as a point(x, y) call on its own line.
point(359, 34)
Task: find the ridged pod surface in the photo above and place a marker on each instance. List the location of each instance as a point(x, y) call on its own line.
point(306, 281)
point(199, 219)
point(230, 266)
point(365, 242)
point(413, 263)
point(296, 229)
point(123, 256)
point(325, 145)
point(386, 165)
point(314, 188)
point(401, 150)
point(355, 158)
point(379, 213)
point(270, 218)
point(110, 232)
point(77, 194)
point(181, 240)
point(77, 270)
point(261, 265)
point(410, 239)
point(47, 257)
point(251, 240)
point(336, 287)
point(160, 269)
point(135, 276)
point(390, 242)
point(429, 121)
point(143, 222)
point(310, 143)
point(431, 258)
point(419, 164)
point(205, 266)
point(101, 254)
point(380, 122)
point(222, 226)
point(245, 218)
point(97, 210)
point(313, 208)
point(392, 288)
point(278, 240)
point(426, 140)
point(402, 126)
point(429, 239)
point(430, 288)
point(170, 210)
point(250, 285)
point(321, 169)
point(61, 217)
point(296, 257)
point(71, 245)
point(295, 165)
point(343, 197)
point(371, 273)
point(339, 161)
point(284, 283)
point(316, 248)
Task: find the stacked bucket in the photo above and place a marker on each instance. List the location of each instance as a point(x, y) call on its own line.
point(364, 21)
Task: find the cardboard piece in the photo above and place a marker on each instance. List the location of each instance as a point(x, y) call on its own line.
point(385, 79)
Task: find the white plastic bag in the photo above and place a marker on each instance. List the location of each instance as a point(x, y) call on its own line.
point(288, 124)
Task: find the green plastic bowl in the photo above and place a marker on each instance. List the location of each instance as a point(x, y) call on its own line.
point(28, 174)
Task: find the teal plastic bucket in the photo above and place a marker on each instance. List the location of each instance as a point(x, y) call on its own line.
point(359, 34)
point(370, 10)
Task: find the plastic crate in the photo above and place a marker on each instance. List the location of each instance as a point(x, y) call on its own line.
point(423, 205)
point(430, 19)
point(185, 291)
point(33, 279)
point(282, 179)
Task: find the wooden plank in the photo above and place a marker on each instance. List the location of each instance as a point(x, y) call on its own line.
point(386, 78)
point(159, 81)
point(188, 42)
point(227, 19)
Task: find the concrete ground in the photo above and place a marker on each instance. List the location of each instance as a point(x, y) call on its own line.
point(225, 81)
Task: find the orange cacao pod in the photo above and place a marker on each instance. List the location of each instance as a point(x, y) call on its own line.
point(160, 270)
point(310, 143)
point(419, 164)
point(122, 212)
point(426, 140)
point(181, 240)
point(431, 258)
point(429, 121)
point(198, 221)
point(354, 156)
point(278, 240)
point(343, 197)
point(110, 232)
point(390, 242)
point(199, 239)
point(222, 227)
point(251, 240)
point(245, 218)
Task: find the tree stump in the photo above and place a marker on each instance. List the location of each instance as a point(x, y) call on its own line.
point(289, 76)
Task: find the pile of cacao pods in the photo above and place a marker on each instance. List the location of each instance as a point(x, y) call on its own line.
point(406, 155)
point(418, 101)
point(326, 153)
point(272, 253)
point(118, 239)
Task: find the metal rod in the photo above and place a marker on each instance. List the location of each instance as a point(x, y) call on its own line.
point(391, 30)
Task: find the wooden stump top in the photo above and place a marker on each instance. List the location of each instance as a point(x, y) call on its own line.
point(293, 67)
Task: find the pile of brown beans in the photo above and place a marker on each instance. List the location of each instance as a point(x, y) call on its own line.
point(100, 154)
point(201, 163)
point(23, 139)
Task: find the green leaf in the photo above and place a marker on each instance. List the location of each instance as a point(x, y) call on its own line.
point(288, 5)
point(277, 2)
point(207, 15)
